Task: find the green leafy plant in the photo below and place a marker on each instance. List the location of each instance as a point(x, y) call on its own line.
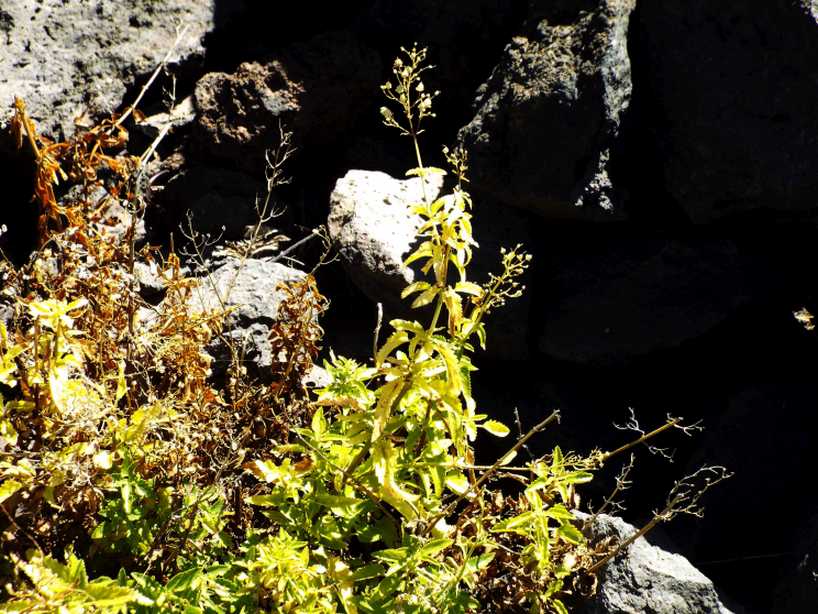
point(117, 452)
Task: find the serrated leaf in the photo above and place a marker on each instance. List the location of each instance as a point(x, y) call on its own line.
point(515, 524)
point(510, 456)
point(434, 546)
point(121, 384)
point(496, 428)
point(576, 477)
point(367, 572)
point(559, 512)
point(422, 171)
point(264, 500)
point(426, 250)
point(468, 287)
point(338, 502)
point(559, 606)
point(319, 423)
point(395, 340)
point(426, 297)
point(418, 286)
point(7, 431)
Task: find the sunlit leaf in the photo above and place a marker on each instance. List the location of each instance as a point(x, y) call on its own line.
point(496, 428)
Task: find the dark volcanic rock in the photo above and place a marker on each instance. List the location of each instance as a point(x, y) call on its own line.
point(797, 591)
point(66, 59)
point(314, 88)
point(548, 115)
point(611, 300)
point(464, 38)
point(238, 114)
point(766, 437)
point(732, 86)
point(221, 202)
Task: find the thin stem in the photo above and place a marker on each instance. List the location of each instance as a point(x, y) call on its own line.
point(624, 545)
point(608, 455)
point(155, 74)
point(555, 416)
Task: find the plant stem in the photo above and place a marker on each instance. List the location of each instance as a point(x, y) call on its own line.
point(608, 455)
point(555, 416)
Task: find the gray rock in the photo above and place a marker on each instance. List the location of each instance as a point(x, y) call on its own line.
point(370, 222)
point(69, 59)
point(646, 578)
point(250, 290)
point(732, 100)
point(612, 300)
point(374, 230)
point(551, 110)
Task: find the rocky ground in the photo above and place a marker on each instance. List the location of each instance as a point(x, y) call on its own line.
point(657, 157)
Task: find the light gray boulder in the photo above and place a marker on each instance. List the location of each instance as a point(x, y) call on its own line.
point(371, 223)
point(645, 578)
point(250, 289)
point(69, 59)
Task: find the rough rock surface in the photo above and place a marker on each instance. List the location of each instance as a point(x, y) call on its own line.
point(238, 114)
point(550, 111)
point(68, 59)
point(610, 300)
point(251, 291)
point(732, 89)
point(374, 230)
point(646, 578)
point(315, 90)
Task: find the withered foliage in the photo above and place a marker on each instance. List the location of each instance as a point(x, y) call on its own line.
point(143, 368)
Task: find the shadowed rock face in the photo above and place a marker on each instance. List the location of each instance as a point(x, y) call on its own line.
point(612, 300)
point(550, 111)
point(313, 89)
point(732, 88)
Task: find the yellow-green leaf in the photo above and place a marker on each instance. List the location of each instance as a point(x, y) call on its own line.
point(426, 297)
point(8, 488)
point(468, 287)
point(418, 286)
point(498, 429)
point(121, 384)
point(457, 482)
